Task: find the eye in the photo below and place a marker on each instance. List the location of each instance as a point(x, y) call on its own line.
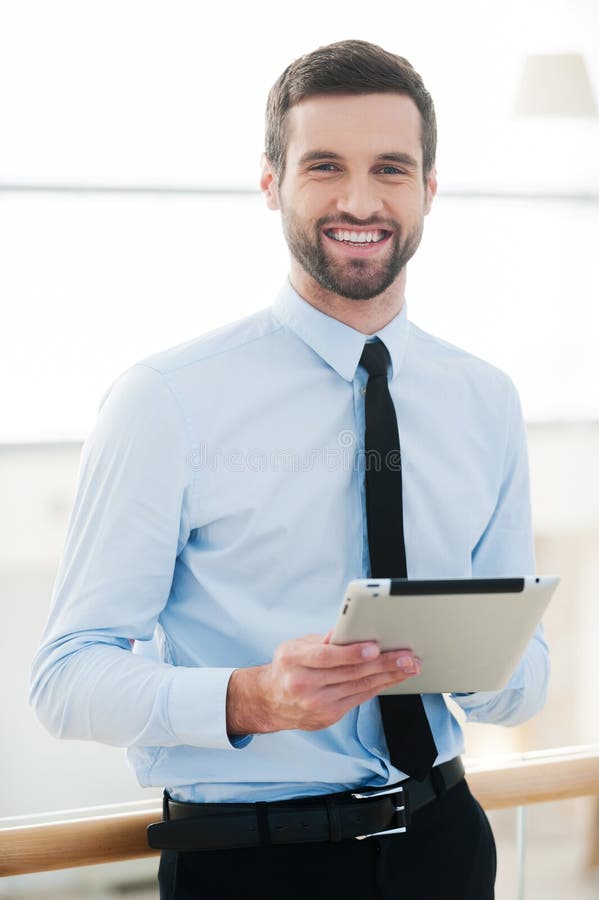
point(323, 167)
point(391, 170)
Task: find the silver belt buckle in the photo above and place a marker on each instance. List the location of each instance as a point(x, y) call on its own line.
point(369, 795)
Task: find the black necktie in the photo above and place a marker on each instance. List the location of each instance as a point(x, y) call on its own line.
point(409, 738)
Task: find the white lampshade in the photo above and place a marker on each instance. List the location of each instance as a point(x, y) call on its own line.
point(555, 85)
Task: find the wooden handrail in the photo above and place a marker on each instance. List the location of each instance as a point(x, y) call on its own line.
point(114, 833)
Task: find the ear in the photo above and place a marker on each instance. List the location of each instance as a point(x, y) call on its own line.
point(269, 184)
point(430, 190)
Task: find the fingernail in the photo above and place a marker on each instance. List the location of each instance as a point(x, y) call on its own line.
point(406, 663)
point(370, 652)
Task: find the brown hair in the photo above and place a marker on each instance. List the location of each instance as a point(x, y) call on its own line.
point(346, 67)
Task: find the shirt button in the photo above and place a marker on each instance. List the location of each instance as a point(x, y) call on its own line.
point(363, 389)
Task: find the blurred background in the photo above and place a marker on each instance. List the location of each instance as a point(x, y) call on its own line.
point(131, 136)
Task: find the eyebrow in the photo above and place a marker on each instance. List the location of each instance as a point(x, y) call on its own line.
point(403, 159)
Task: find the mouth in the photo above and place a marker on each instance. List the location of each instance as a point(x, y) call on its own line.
point(358, 242)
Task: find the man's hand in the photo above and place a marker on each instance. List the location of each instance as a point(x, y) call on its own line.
point(310, 684)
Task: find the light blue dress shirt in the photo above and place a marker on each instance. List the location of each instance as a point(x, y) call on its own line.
point(220, 510)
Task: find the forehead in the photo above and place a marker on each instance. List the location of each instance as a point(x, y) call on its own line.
point(349, 124)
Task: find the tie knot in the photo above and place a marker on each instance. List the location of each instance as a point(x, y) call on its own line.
point(375, 358)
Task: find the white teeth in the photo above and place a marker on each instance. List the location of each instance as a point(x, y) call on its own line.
point(357, 237)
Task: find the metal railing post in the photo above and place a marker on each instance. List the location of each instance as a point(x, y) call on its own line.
point(521, 851)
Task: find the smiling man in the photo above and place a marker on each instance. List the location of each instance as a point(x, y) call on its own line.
point(226, 499)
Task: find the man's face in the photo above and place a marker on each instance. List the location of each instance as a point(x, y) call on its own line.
point(353, 197)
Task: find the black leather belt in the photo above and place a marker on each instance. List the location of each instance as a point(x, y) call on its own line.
point(334, 817)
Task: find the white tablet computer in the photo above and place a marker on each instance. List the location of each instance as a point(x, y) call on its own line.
point(469, 633)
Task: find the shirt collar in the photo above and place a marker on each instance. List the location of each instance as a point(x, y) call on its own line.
point(339, 345)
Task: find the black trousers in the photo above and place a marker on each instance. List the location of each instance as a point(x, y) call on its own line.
point(448, 853)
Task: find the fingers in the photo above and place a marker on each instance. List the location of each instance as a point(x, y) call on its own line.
point(354, 692)
point(390, 662)
point(341, 663)
point(314, 652)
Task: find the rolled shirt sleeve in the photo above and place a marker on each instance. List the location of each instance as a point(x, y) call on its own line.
point(130, 519)
point(506, 548)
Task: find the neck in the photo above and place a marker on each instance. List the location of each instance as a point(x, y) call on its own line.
point(365, 316)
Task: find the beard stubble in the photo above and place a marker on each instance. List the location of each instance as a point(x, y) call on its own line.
point(354, 279)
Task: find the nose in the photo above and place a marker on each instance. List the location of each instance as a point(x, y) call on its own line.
point(359, 197)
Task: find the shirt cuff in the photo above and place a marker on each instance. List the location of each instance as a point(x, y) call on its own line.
point(478, 698)
point(197, 708)
point(477, 705)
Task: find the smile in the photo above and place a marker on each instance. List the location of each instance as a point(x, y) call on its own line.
point(356, 237)
point(358, 243)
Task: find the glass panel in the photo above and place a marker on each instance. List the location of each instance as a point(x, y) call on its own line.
point(94, 283)
point(134, 878)
point(559, 842)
